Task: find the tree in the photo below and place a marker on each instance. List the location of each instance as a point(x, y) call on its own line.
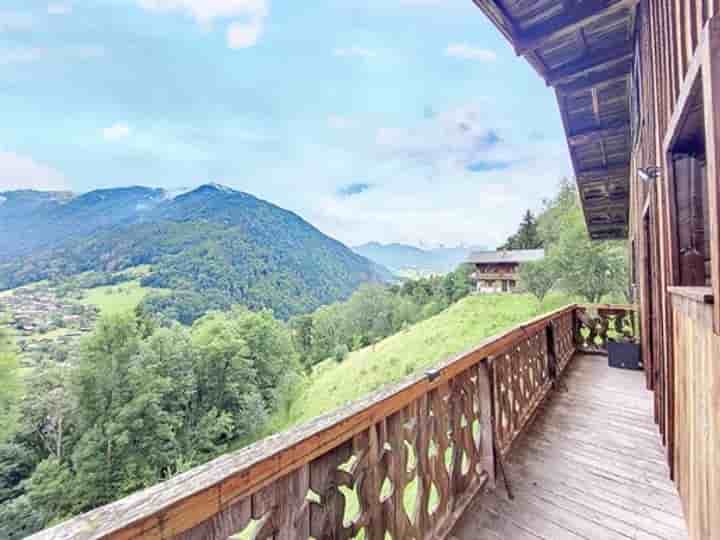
point(10, 386)
point(270, 349)
point(587, 268)
point(590, 269)
point(538, 277)
point(328, 330)
point(143, 404)
point(227, 380)
point(527, 236)
point(301, 329)
point(557, 210)
point(103, 387)
point(48, 411)
point(457, 284)
point(340, 353)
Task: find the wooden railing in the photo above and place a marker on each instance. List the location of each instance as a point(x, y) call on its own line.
point(598, 324)
point(403, 462)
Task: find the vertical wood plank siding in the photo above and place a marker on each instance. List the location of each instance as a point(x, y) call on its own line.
point(670, 34)
point(697, 410)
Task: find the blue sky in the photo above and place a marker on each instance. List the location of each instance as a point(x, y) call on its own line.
point(389, 120)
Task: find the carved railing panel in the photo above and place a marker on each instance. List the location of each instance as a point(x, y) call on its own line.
point(437, 452)
point(564, 338)
point(521, 379)
point(596, 325)
point(401, 464)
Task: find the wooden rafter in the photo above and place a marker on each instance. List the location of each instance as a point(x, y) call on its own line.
point(596, 134)
point(598, 120)
point(617, 73)
point(558, 45)
point(596, 104)
point(600, 174)
point(596, 61)
point(568, 22)
point(502, 20)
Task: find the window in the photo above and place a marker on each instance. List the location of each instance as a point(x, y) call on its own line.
point(692, 227)
point(692, 148)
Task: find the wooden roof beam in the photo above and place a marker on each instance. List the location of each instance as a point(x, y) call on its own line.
point(603, 174)
point(593, 135)
point(616, 233)
point(617, 73)
point(569, 22)
point(597, 61)
point(504, 22)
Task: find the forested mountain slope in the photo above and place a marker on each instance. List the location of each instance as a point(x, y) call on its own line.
point(35, 220)
point(212, 246)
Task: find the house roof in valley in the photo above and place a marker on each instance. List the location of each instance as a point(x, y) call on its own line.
point(506, 256)
point(585, 51)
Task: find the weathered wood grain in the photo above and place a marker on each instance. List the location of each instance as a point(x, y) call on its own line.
point(446, 420)
point(577, 473)
point(697, 414)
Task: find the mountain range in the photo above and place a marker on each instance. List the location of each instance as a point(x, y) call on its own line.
point(401, 258)
point(212, 246)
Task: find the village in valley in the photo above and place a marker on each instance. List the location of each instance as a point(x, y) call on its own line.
point(46, 321)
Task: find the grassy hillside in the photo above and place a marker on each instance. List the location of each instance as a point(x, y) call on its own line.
point(114, 299)
point(456, 329)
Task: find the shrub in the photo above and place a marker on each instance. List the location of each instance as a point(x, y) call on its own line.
point(341, 353)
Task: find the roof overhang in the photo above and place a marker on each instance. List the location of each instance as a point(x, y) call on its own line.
point(585, 50)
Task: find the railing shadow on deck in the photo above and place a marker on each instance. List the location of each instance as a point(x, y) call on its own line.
point(410, 457)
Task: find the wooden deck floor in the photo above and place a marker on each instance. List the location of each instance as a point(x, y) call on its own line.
point(591, 466)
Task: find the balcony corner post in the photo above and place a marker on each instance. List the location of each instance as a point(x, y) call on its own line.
point(487, 434)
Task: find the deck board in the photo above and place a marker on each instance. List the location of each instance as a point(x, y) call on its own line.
point(591, 466)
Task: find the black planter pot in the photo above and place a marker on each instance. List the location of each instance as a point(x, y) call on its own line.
point(624, 355)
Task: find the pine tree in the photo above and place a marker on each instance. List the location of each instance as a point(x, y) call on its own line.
point(527, 236)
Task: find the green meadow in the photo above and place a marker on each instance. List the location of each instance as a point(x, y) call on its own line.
point(422, 345)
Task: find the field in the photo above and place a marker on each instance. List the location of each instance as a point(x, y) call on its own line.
point(115, 299)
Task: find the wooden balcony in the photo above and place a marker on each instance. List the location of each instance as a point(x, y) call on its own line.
point(590, 466)
point(424, 458)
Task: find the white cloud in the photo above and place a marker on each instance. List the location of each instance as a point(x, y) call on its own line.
point(451, 141)
point(246, 17)
point(448, 168)
point(59, 8)
point(20, 172)
point(469, 52)
point(116, 131)
point(241, 35)
point(361, 52)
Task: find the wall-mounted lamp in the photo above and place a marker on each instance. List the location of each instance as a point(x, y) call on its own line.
point(649, 174)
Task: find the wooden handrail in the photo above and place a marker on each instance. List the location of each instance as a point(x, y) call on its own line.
point(608, 322)
point(260, 481)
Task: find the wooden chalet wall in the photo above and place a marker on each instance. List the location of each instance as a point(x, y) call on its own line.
point(680, 349)
point(638, 88)
point(697, 412)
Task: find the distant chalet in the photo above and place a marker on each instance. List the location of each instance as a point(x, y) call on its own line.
point(496, 271)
